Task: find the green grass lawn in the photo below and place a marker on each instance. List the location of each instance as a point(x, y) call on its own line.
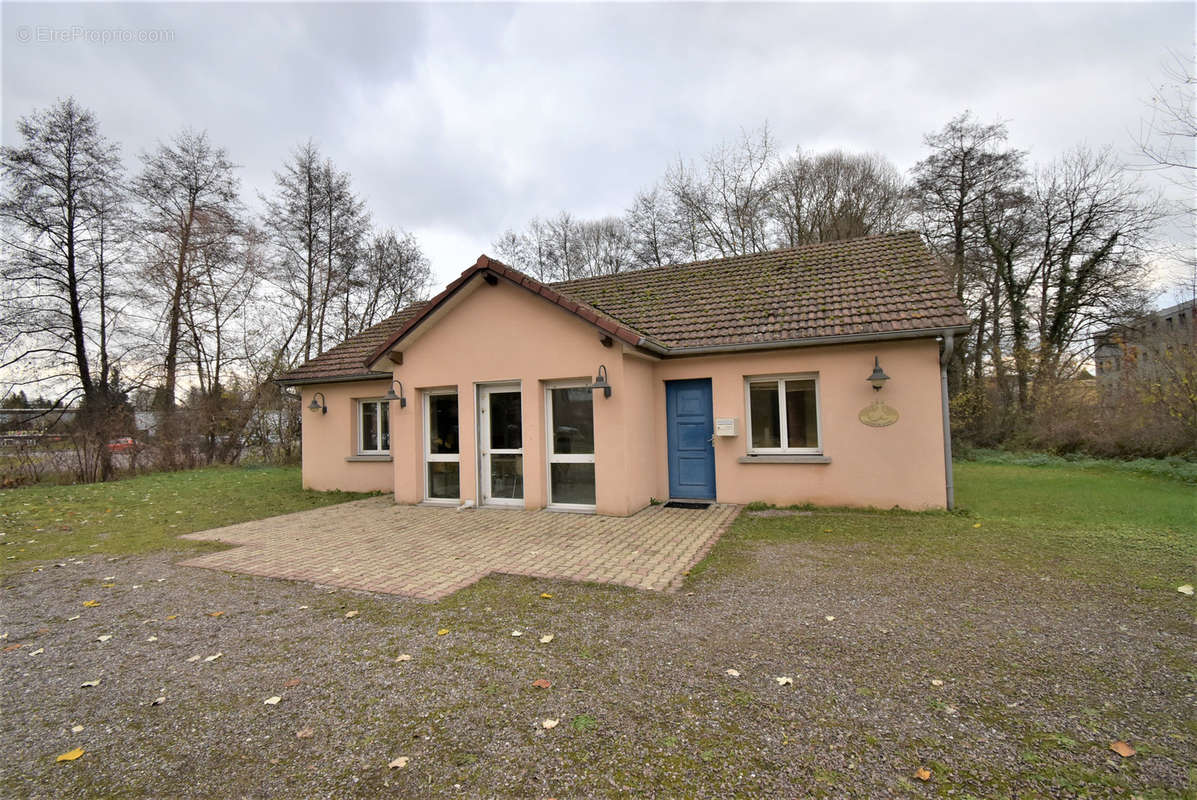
point(145, 513)
point(1089, 523)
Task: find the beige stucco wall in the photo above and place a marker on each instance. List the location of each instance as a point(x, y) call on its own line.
point(329, 439)
point(504, 333)
point(898, 465)
point(498, 334)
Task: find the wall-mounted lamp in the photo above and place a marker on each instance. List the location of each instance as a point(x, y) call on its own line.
point(600, 381)
point(320, 405)
point(878, 378)
point(390, 395)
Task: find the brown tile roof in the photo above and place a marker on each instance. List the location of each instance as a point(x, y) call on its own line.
point(874, 287)
point(347, 361)
point(879, 285)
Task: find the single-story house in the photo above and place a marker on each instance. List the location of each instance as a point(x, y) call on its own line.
point(806, 375)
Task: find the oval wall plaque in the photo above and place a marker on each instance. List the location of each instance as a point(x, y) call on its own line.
point(878, 415)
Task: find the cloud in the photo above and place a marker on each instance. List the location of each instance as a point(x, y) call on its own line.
point(459, 121)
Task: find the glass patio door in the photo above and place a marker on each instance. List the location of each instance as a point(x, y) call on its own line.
point(501, 433)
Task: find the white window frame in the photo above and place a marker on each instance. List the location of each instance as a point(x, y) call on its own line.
point(361, 439)
point(431, 457)
point(552, 458)
point(784, 433)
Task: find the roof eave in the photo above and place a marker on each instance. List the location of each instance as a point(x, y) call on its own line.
point(807, 341)
point(371, 376)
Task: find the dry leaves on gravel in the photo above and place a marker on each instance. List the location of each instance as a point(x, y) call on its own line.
point(923, 774)
point(351, 614)
point(541, 683)
point(70, 755)
point(549, 724)
point(399, 763)
point(304, 733)
point(272, 701)
point(1123, 749)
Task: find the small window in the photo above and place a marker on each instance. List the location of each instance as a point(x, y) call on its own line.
point(442, 446)
point(783, 414)
point(373, 427)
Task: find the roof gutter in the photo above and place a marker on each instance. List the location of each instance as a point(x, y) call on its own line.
point(375, 376)
point(809, 341)
point(949, 347)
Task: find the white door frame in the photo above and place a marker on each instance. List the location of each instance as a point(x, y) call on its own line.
point(482, 425)
point(551, 457)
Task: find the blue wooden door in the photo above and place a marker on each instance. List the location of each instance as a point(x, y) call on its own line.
point(690, 428)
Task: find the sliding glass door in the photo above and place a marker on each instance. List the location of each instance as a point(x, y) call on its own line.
point(501, 434)
point(442, 446)
point(571, 447)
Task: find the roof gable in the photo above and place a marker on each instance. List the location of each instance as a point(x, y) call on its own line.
point(488, 269)
point(869, 288)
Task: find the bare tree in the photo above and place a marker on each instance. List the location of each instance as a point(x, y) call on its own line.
point(834, 195)
point(294, 218)
point(394, 274)
point(59, 207)
point(969, 161)
point(187, 191)
point(726, 200)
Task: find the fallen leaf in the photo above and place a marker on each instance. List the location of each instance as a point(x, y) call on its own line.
point(70, 755)
point(404, 657)
point(546, 596)
point(14, 647)
point(172, 616)
point(784, 681)
point(105, 637)
point(548, 637)
point(923, 774)
point(213, 657)
point(76, 729)
point(292, 683)
point(38, 651)
point(541, 683)
point(442, 632)
point(351, 614)
point(272, 701)
point(1186, 589)
point(977, 525)
point(158, 701)
point(1123, 749)
point(517, 633)
point(90, 603)
point(304, 733)
point(937, 682)
point(829, 619)
point(152, 639)
point(399, 763)
point(215, 613)
point(735, 673)
point(549, 724)
point(107, 585)
point(827, 530)
point(88, 684)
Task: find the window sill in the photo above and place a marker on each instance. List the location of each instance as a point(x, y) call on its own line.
point(784, 459)
point(369, 458)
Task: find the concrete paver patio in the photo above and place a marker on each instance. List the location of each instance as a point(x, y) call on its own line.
point(429, 552)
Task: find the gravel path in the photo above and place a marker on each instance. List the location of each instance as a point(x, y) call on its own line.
point(1038, 676)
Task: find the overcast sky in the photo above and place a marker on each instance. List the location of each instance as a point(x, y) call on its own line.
point(459, 121)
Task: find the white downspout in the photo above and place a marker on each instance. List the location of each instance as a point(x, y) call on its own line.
point(949, 345)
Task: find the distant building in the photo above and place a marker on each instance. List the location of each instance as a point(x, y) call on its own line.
point(1134, 349)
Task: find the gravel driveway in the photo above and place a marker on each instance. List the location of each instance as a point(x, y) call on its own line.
point(1038, 675)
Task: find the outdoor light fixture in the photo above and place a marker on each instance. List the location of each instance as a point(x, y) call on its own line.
point(600, 381)
point(878, 378)
point(390, 395)
point(318, 405)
